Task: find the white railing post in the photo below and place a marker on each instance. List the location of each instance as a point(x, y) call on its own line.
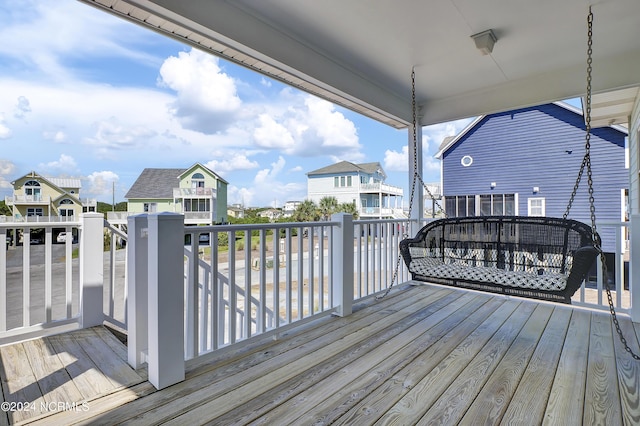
point(634, 266)
point(166, 299)
point(342, 279)
point(137, 290)
point(91, 270)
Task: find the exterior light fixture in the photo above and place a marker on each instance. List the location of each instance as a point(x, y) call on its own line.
point(536, 189)
point(485, 41)
point(493, 185)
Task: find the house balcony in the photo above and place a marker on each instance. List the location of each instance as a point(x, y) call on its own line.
point(378, 212)
point(382, 188)
point(180, 193)
point(90, 204)
point(190, 218)
point(33, 200)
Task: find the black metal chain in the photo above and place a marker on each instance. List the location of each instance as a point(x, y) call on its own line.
point(586, 164)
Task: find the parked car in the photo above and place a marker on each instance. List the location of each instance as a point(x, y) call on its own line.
point(203, 239)
point(62, 237)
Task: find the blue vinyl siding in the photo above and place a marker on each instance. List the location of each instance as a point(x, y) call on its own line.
point(529, 147)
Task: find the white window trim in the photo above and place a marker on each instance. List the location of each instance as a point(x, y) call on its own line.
point(543, 206)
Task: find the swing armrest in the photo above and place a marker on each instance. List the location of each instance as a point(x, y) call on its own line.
point(583, 259)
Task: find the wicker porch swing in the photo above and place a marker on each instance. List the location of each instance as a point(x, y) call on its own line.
point(538, 257)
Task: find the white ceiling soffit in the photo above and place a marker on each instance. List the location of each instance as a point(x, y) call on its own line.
point(610, 108)
point(359, 53)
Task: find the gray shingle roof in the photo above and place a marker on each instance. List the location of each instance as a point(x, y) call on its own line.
point(346, 166)
point(155, 183)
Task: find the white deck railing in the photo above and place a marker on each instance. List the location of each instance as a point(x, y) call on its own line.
point(266, 277)
point(42, 285)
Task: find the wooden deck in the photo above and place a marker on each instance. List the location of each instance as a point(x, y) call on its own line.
point(423, 355)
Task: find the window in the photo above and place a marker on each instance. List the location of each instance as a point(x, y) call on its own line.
point(336, 181)
point(341, 180)
point(536, 207)
point(35, 212)
point(32, 190)
point(197, 205)
point(481, 205)
point(150, 207)
point(197, 180)
point(348, 180)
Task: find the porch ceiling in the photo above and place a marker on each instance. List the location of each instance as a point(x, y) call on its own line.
point(360, 53)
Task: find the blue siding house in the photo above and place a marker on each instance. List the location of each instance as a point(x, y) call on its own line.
point(525, 162)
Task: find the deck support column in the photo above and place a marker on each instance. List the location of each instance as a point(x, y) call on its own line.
point(634, 267)
point(342, 276)
point(166, 299)
point(137, 290)
point(91, 269)
point(417, 208)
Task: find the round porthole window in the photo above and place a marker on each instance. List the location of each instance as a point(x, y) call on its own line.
point(466, 161)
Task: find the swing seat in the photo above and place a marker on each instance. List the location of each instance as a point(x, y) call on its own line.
point(538, 257)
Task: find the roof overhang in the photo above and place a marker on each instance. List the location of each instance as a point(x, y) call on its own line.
point(360, 54)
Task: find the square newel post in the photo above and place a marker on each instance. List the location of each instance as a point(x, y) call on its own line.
point(166, 299)
point(91, 269)
point(342, 278)
point(137, 290)
point(634, 267)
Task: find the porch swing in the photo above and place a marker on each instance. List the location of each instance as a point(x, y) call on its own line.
point(539, 257)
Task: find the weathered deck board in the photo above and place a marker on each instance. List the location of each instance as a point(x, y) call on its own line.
point(57, 374)
point(19, 384)
point(423, 355)
point(530, 399)
point(602, 397)
point(628, 374)
point(566, 400)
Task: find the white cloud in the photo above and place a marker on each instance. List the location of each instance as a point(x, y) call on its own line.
point(395, 161)
point(101, 183)
point(235, 161)
point(42, 36)
point(307, 126)
point(112, 134)
point(65, 164)
point(207, 100)
point(22, 108)
point(271, 134)
point(5, 131)
point(57, 136)
point(267, 189)
point(7, 169)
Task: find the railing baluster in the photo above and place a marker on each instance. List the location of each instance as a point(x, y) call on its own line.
point(300, 293)
point(310, 269)
point(289, 277)
point(26, 276)
point(216, 296)
point(233, 301)
point(48, 293)
point(248, 315)
point(261, 315)
point(3, 280)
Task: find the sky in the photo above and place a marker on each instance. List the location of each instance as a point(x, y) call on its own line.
point(87, 95)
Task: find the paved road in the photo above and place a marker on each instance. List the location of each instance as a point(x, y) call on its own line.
point(37, 308)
